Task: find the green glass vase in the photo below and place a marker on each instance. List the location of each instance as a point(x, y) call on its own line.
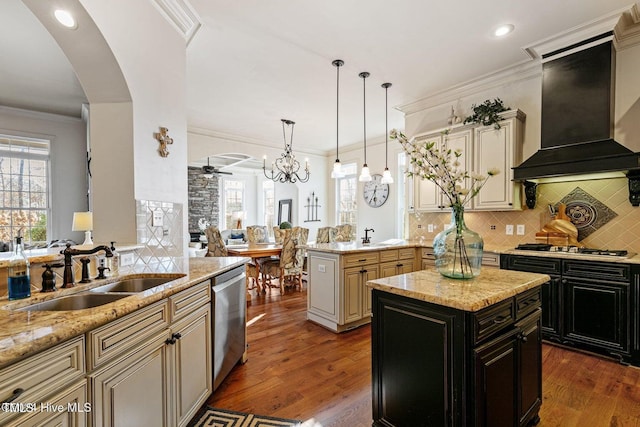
point(458, 250)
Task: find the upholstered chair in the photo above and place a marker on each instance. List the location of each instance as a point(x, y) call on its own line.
point(326, 235)
point(215, 244)
point(278, 234)
point(288, 269)
point(257, 234)
point(343, 233)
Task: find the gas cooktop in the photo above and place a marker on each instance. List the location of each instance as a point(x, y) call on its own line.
point(572, 250)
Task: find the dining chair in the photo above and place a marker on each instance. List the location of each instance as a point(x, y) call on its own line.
point(326, 235)
point(215, 244)
point(257, 234)
point(343, 233)
point(278, 234)
point(288, 269)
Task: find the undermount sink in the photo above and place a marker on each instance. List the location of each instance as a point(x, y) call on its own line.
point(74, 302)
point(134, 285)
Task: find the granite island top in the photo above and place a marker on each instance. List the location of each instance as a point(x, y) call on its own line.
point(490, 287)
point(23, 333)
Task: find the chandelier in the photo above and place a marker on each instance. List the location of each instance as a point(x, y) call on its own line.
point(286, 167)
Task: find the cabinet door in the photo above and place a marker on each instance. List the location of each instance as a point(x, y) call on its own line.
point(550, 308)
point(370, 274)
point(428, 196)
point(496, 148)
point(596, 314)
point(353, 294)
point(135, 390)
point(193, 363)
point(388, 269)
point(496, 373)
point(530, 367)
point(416, 363)
point(68, 408)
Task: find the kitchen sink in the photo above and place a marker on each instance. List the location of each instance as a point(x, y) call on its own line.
point(74, 302)
point(134, 285)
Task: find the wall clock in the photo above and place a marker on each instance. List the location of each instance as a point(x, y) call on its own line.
point(375, 192)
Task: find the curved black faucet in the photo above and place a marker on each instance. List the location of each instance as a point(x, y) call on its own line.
point(69, 252)
point(366, 239)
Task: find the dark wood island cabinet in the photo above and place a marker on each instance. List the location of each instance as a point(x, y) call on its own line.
point(457, 353)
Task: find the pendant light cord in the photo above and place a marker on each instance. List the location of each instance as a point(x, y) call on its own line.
point(386, 123)
point(364, 76)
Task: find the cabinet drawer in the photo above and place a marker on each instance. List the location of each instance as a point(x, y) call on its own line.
point(427, 253)
point(528, 302)
point(41, 375)
point(362, 258)
point(406, 253)
point(493, 319)
point(388, 255)
point(491, 259)
point(533, 264)
point(114, 338)
point(597, 270)
point(189, 300)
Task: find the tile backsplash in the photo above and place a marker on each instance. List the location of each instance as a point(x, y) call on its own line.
point(162, 237)
point(620, 232)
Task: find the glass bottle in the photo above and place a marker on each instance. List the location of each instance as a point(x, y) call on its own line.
point(18, 279)
point(458, 250)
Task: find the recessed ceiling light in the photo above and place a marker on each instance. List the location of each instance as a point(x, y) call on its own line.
point(503, 30)
point(65, 18)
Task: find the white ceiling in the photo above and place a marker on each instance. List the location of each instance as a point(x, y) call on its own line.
point(255, 62)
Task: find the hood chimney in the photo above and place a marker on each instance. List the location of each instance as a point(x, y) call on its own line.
point(578, 90)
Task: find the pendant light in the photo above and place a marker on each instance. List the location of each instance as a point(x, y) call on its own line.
point(365, 176)
point(386, 175)
point(337, 167)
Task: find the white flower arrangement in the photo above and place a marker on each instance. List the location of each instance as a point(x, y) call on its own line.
point(441, 165)
point(203, 224)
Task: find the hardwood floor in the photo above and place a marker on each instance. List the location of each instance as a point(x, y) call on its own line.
point(297, 369)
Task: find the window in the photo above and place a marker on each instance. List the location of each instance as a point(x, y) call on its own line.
point(347, 189)
point(268, 208)
point(24, 189)
point(232, 202)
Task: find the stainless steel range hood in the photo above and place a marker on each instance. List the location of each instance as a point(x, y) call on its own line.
point(578, 89)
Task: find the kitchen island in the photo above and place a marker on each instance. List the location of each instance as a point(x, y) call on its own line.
point(456, 352)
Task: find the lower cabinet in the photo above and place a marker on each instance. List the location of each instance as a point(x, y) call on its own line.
point(587, 304)
point(160, 380)
point(438, 366)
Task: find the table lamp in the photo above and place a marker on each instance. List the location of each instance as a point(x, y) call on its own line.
point(83, 221)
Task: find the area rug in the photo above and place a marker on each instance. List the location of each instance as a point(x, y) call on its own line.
point(213, 417)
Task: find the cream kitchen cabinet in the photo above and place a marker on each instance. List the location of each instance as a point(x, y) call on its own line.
point(46, 389)
point(483, 148)
point(501, 149)
point(153, 367)
point(428, 197)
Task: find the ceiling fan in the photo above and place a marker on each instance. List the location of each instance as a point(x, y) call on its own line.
point(209, 171)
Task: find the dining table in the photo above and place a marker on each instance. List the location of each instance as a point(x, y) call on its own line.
point(255, 251)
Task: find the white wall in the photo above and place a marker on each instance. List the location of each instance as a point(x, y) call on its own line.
point(68, 162)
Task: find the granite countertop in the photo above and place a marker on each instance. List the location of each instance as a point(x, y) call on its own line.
point(491, 286)
point(48, 255)
point(354, 247)
point(23, 333)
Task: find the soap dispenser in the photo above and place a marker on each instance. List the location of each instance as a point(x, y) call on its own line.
point(18, 280)
point(113, 262)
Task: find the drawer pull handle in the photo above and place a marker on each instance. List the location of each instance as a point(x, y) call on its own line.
point(363, 271)
point(501, 319)
point(362, 260)
point(523, 337)
point(177, 335)
point(16, 394)
point(399, 265)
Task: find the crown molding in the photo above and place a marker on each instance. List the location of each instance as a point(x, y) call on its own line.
point(627, 31)
point(524, 70)
point(32, 114)
point(181, 15)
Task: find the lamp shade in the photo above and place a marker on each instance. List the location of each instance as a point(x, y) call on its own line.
point(82, 221)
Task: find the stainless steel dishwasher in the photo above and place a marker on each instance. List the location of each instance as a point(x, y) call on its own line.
point(229, 317)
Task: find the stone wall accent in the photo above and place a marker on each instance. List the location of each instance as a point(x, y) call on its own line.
point(204, 195)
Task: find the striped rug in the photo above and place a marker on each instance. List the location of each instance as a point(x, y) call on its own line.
point(213, 417)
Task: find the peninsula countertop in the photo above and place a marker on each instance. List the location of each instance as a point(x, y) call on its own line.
point(490, 287)
point(23, 333)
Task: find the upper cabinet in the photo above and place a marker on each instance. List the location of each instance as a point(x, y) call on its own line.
point(483, 148)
